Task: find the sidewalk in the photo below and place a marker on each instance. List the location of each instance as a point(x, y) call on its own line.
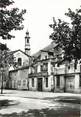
point(35, 94)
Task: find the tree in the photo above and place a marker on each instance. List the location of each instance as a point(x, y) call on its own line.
point(10, 19)
point(68, 35)
point(6, 60)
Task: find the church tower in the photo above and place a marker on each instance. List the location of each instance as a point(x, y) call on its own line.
point(27, 43)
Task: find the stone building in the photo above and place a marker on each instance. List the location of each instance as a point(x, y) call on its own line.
point(48, 72)
point(41, 69)
point(67, 77)
point(18, 76)
point(45, 70)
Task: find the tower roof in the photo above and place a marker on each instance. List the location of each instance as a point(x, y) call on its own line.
point(27, 35)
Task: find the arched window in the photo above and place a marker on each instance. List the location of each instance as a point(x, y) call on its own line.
point(19, 61)
point(27, 40)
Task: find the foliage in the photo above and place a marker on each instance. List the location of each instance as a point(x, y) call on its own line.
point(10, 19)
point(68, 35)
point(6, 57)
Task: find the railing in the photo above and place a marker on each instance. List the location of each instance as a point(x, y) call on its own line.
point(65, 70)
point(38, 74)
point(59, 71)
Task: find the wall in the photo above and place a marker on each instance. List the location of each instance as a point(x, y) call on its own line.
point(59, 88)
point(19, 54)
point(33, 88)
point(50, 84)
point(4, 82)
point(44, 55)
point(19, 79)
point(77, 83)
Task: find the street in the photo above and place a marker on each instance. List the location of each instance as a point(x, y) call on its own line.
point(16, 103)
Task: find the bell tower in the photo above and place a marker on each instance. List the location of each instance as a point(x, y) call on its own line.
point(27, 43)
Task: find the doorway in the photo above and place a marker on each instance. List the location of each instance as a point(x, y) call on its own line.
point(39, 84)
point(58, 81)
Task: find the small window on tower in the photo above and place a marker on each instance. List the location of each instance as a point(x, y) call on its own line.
point(27, 40)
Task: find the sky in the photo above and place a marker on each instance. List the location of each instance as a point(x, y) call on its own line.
point(39, 15)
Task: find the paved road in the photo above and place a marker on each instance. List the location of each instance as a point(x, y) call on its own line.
point(28, 104)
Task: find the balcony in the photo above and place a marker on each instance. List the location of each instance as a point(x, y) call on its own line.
point(40, 74)
point(59, 71)
point(65, 70)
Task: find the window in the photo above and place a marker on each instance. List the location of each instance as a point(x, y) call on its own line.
point(80, 81)
point(53, 64)
point(58, 65)
point(19, 61)
point(19, 82)
point(58, 81)
point(35, 69)
point(44, 67)
point(41, 67)
point(24, 82)
point(45, 57)
point(32, 82)
point(46, 82)
point(69, 67)
point(27, 40)
point(75, 65)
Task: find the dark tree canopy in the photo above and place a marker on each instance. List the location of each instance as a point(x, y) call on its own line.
point(6, 56)
point(68, 35)
point(4, 3)
point(3, 47)
point(10, 19)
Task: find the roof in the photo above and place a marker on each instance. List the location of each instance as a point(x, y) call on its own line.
point(20, 51)
point(21, 68)
point(48, 48)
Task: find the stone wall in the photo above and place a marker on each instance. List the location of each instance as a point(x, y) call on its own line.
point(19, 79)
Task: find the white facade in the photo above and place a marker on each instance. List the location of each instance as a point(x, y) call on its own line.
point(24, 58)
point(19, 75)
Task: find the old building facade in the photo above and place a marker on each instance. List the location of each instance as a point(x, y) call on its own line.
point(41, 76)
point(18, 76)
point(46, 73)
point(45, 70)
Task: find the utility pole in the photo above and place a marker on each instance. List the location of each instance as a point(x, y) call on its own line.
point(2, 81)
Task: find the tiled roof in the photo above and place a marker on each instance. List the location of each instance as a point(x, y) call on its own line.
point(48, 48)
point(20, 51)
point(21, 68)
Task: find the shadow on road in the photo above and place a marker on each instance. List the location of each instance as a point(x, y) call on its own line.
point(6, 103)
point(65, 99)
point(63, 112)
point(71, 109)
